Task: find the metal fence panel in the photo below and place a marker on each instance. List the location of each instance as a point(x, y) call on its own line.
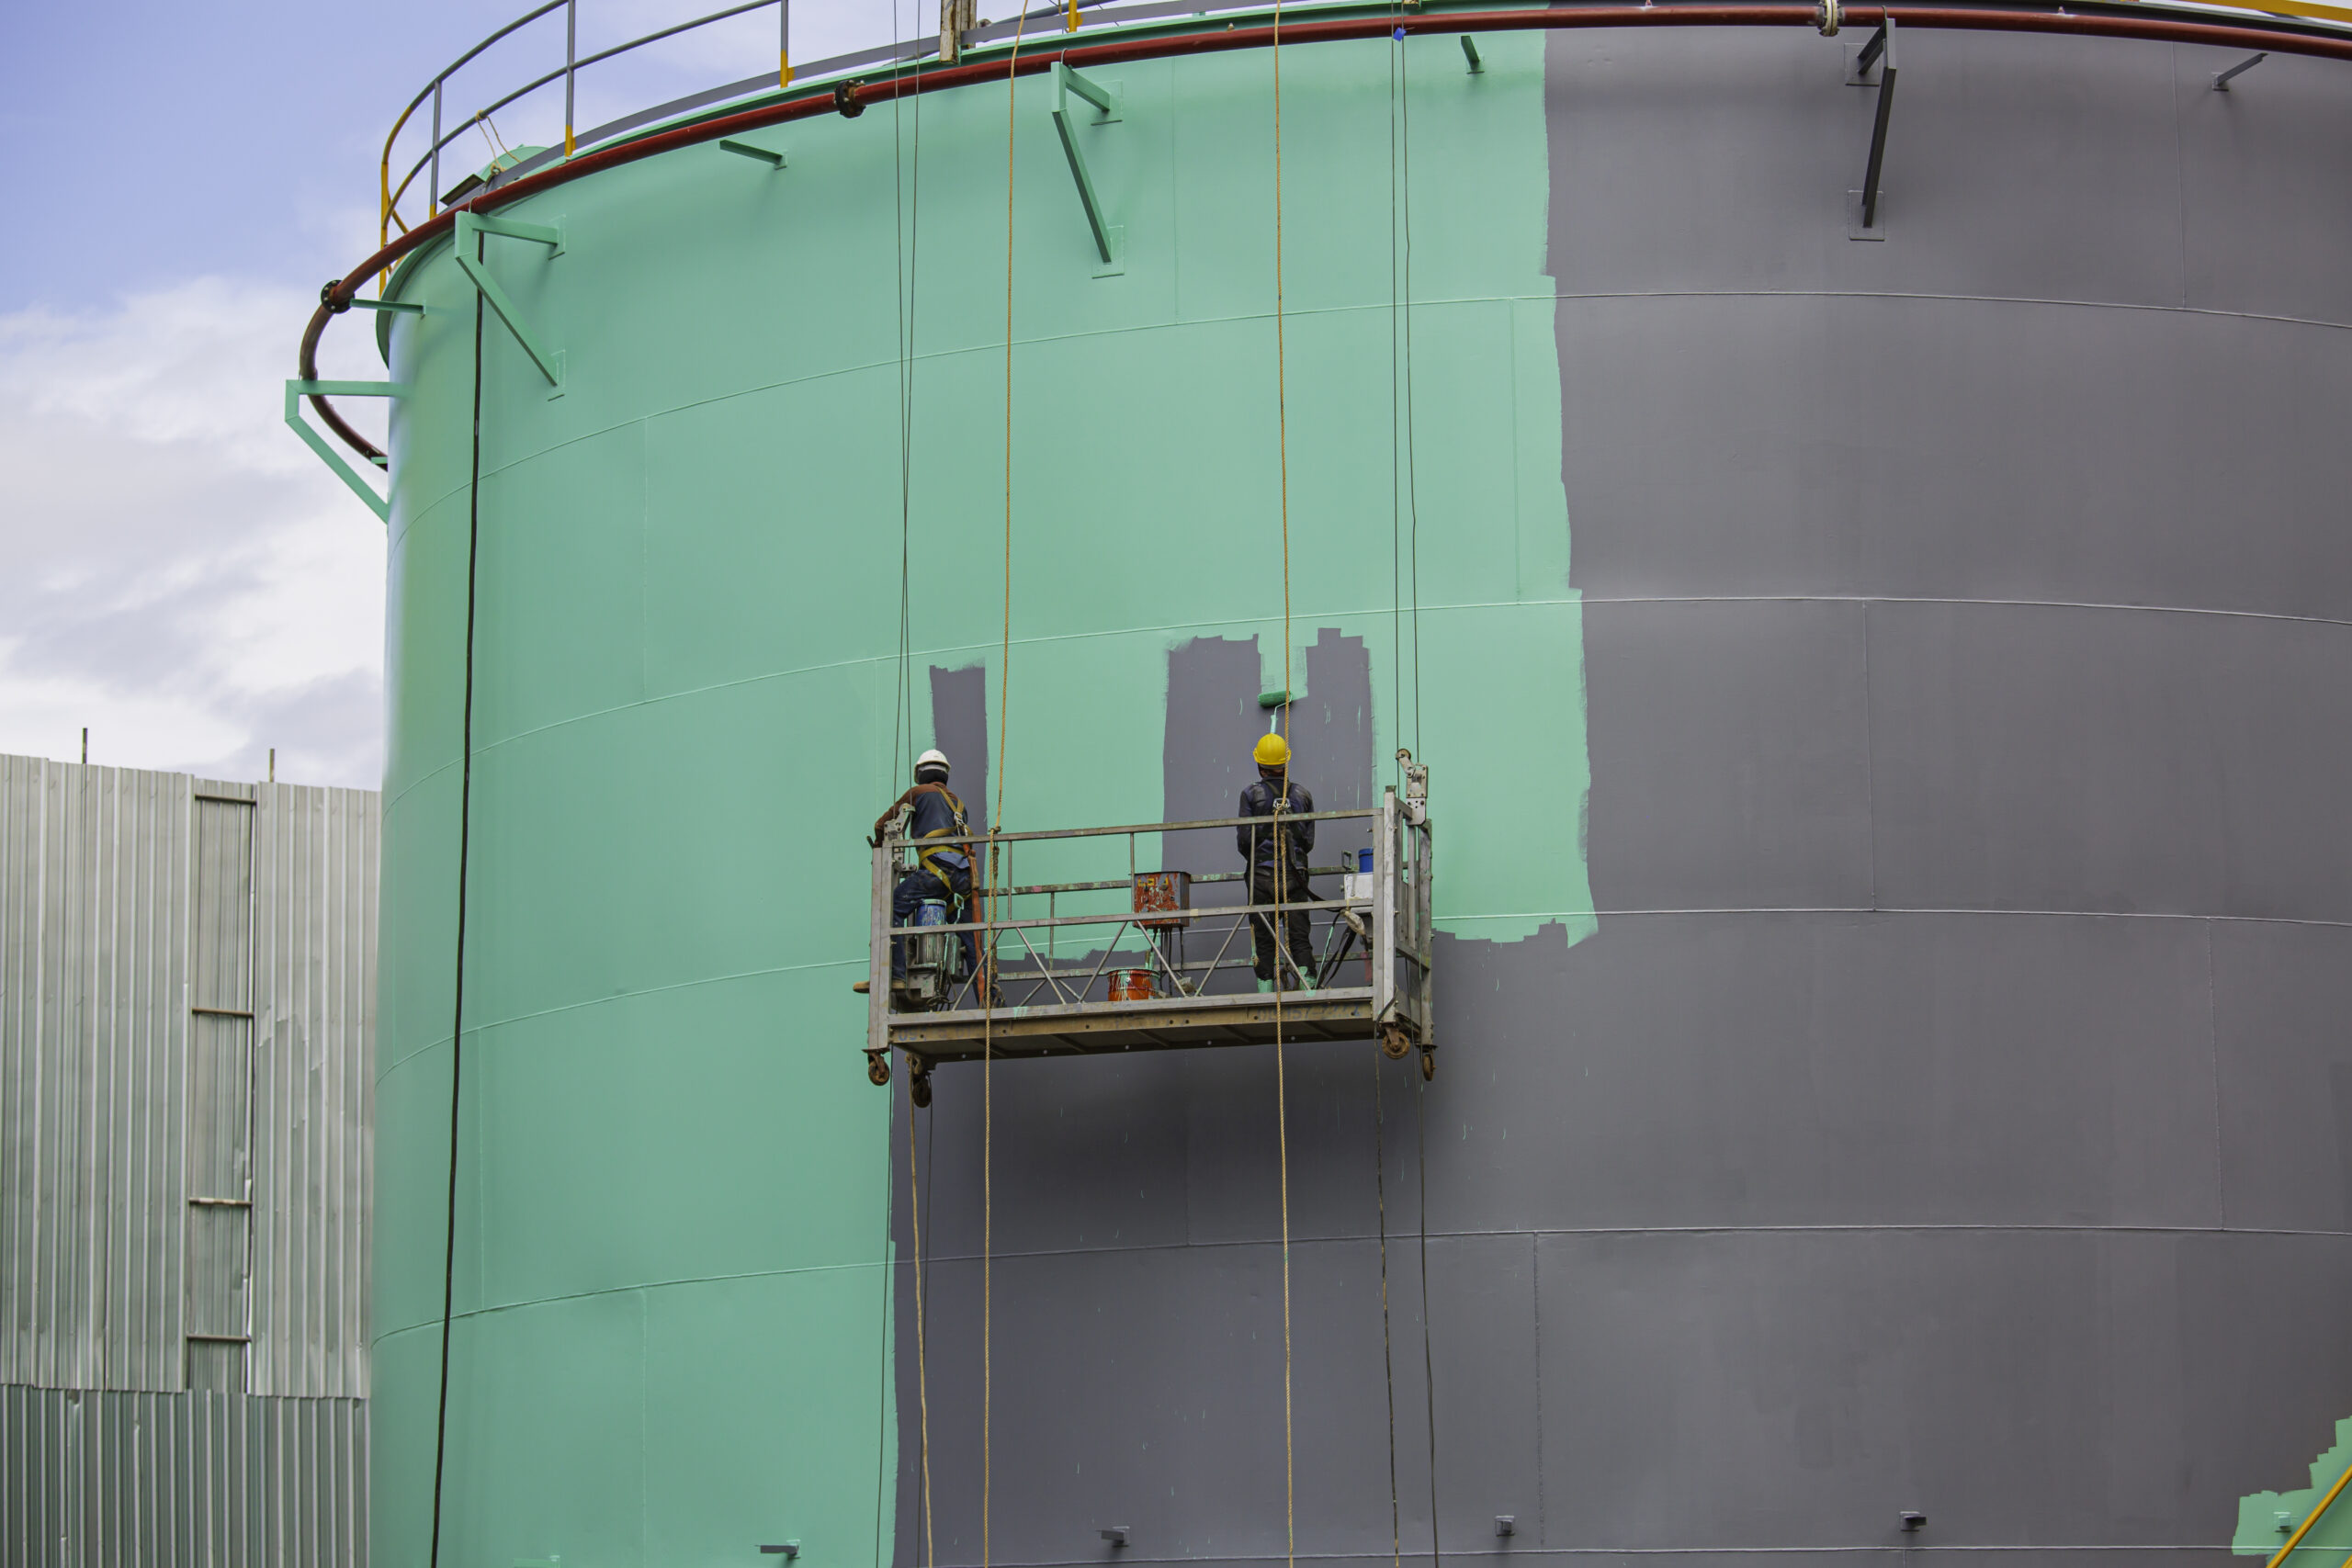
point(99, 1478)
point(94, 868)
point(315, 858)
point(187, 1000)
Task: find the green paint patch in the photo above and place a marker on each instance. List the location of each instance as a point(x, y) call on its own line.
point(2266, 1521)
point(673, 1328)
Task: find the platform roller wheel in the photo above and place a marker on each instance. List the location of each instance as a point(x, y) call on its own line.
point(918, 1090)
point(1429, 1063)
point(1395, 1042)
point(877, 1067)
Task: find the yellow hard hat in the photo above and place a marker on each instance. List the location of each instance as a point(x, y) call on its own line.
point(1273, 751)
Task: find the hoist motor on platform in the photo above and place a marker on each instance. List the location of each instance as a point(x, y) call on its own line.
point(1118, 952)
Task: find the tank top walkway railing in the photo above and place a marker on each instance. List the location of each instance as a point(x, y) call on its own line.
point(448, 127)
point(1105, 950)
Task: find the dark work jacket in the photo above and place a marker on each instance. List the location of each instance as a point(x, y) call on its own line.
point(937, 812)
point(1256, 843)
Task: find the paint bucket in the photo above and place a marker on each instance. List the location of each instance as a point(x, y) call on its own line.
point(932, 913)
point(1132, 986)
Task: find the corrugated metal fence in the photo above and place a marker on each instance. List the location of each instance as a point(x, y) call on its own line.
point(187, 989)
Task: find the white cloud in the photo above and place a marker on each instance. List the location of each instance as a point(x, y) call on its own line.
point(182, 577)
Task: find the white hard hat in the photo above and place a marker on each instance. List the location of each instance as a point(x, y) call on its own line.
point(933, 759)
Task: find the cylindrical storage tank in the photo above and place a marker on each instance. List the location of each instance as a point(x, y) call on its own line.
point(1887, 690)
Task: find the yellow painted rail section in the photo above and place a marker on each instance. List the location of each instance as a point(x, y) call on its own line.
point(2313, 1517)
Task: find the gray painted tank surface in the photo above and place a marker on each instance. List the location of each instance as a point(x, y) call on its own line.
point(1953, 1111)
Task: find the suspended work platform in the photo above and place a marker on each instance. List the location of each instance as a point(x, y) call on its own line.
point(1115, 953)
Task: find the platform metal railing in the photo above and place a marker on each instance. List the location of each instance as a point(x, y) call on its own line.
point(1106, 950)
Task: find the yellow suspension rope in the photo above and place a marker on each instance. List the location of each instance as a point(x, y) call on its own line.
point(922, 1362)
point(1282, 851)
point(988, 964)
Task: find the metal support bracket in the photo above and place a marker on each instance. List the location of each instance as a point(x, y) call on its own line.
point(550, 361)
point(1470, 53)
point(2222, 78)
point(297, 390)
point(1879, 54)
point(745, 149)
point(397, 307)
point(1105, 99)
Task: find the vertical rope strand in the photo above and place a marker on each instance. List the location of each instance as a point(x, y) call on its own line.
point(902, 728)
point(1395, 429)
point(886, 1267)
point(1281, 850)
point(1387, 1357)
point(457, 1004)
point(1412, 459)
point(922, 1363)
point(988, 959)
point(907, 220)
point(1428, 1376)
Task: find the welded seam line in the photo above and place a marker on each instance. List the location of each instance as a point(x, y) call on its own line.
point(1870, 756)
point(482, 1028)
point(1910, 910)
point(1921, 1228)
point(1867, 599)
point(1440, 302)
point(1361, 613)
point(643, 1285)
point(1599, 1552)
point(2213, 1046)
point(1955, 299)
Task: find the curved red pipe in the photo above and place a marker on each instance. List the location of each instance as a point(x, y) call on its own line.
point(829, 99)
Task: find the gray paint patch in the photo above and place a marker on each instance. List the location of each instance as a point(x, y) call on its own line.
point(959, 723)
point(1848, 1178)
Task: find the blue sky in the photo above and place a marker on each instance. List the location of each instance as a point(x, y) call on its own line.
point(180, 575)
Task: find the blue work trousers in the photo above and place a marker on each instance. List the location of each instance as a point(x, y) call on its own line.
point(954, 890)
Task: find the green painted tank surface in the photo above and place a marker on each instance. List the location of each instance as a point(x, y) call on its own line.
point(671, 1334)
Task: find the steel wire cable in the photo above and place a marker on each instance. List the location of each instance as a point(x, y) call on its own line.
point(902, 730)
point(907, 221)
point(1280, 943)
point(922, 1328)
point(1413, 503)
point(1429, 1376)
point(1387, 1357)
point(1002, 762)
point(1412, 455)
point(886, 1334)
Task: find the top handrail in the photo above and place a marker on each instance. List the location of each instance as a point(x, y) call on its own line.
point(384, 173)
point(1181, 27)
point(1133, 827)
point(389, 196)
point(536, 84)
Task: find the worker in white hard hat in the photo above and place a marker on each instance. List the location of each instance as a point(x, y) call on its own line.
point(1276, 856)
point(942, 872)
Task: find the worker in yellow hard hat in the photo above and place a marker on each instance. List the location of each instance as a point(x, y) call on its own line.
point(1276, 857)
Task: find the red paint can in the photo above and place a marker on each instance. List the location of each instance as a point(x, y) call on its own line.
point(1132, 986)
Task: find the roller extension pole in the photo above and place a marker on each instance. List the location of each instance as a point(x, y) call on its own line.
point(571, 65)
